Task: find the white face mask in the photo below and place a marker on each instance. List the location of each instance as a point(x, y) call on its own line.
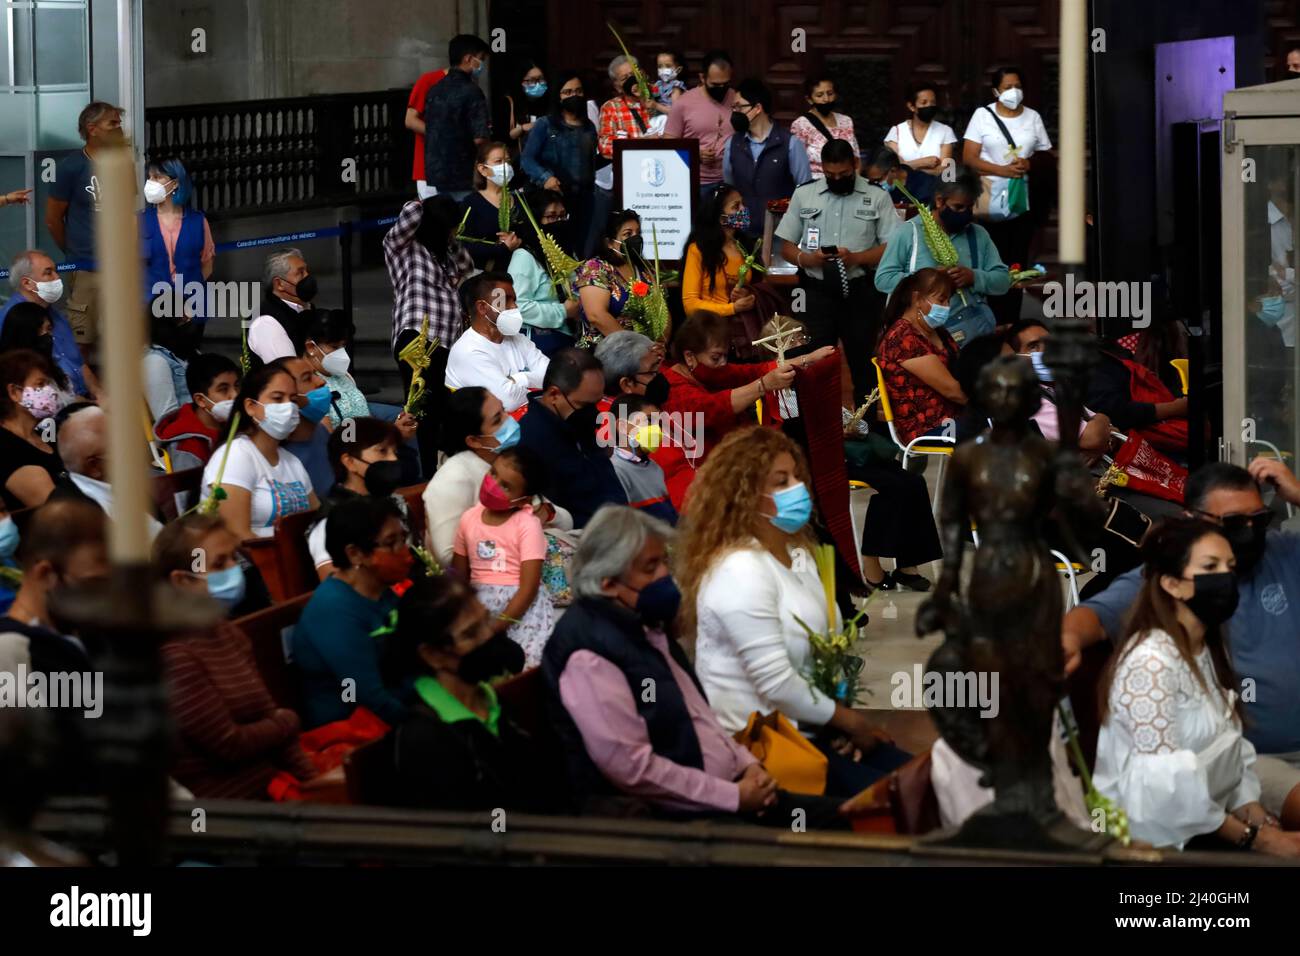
point(501, 174)
point(666, 73)
point(51, 291)
point(336, 363)
point(280, 421)
point(1011, 98)
point(221, 410)
point(509, 321)
point(154, 191)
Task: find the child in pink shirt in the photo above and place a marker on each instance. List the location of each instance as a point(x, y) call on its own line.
point(500, 546)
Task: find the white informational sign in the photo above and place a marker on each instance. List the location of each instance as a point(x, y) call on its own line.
point(657, 184)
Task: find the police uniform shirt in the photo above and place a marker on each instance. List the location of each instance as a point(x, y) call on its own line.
point(855, 222)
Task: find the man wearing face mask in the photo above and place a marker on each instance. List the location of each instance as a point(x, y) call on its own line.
point(763, 160)
point(456, 120)
point(979, 273)
point(844, 213)
point(704, 113)
point(492, 353)
point(288, 290)
point(1261, 633)
point(560, 426)
point(631, 364)
point(83, 445)
point(34, 279)
point(309, 439)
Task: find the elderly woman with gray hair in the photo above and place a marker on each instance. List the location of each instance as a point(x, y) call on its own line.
point(631, 364)
point(638, 733)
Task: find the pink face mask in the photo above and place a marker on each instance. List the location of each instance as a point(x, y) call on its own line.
point(492, 496)
point(42, 402)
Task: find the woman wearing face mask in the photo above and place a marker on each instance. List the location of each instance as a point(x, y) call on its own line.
point(459, 749)
point(364, 460)
point(500, 547)
point(493, 175)
point(1171, 750)
point(560, 156)
point(29, 464)
point(923, 144)
point(745, 579)
point(476, 430)
point(999, 140)
point(175, 236)
point(261, 481)
point(334, 640)
point(604, 282)
point(28, 326)
point(548, 322)
point(702, 382)
point(715, 251)
point(821, 123)
point(919, 358)
point(978, 278)
point(531, 108)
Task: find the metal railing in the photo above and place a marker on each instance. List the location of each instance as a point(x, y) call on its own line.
point(260, 156)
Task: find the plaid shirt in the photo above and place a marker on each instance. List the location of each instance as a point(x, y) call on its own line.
point(616, 115)
point(423, 285)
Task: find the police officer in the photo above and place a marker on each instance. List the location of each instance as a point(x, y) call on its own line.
point(835, 231)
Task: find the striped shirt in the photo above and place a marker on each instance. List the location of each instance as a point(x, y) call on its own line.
point(233, 738)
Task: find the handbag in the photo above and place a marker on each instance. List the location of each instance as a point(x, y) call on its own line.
point(1010, 199)
point(785, 753)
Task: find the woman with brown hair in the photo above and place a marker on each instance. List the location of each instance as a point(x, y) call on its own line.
point(745, 564)
point(492, 177)
point(1171, 750)
point(918, 357)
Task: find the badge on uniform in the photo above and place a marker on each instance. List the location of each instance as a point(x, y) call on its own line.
point(812, 240)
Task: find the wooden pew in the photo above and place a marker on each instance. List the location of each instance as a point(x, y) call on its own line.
point(266, 631)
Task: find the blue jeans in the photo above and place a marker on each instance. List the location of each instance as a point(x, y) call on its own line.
point(409, 453)
point(846, 777)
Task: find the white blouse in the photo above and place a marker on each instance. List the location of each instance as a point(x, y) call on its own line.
point(750, 652)
point(1170, 754)
point(937, 135)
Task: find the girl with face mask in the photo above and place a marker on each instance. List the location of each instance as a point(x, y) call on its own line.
point(1171, 749)
point(604, 283)
point(747, 577)
point(443, 643)
point(533, 104)
point(29, 400)
point(500, 547)
point(494, 174)
point(261, 482)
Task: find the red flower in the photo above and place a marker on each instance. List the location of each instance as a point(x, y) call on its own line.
point(1015, 267)
point(640, 289)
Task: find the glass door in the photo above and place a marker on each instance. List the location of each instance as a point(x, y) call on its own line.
point(1261, 262)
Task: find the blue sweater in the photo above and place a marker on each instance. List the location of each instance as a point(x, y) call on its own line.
point(332, 643)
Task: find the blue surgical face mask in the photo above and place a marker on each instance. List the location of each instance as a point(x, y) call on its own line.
point(8, 538)
point(535, 89)
point(1041, 367)
point(1272, 309)
point(793, 508)
point(227, 586)
point(507, 435)
point(937, 315)
point(318, 404)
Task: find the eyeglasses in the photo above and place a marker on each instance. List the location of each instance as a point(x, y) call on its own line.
point(1256, 519)
point(741, 107)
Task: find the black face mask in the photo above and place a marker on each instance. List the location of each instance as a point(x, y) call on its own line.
point(560, 232)
point(383, 478)
point(927, 113)
point(574, 105)
point(45, 344)
point(632, 247)
point(840, 185)
point(740, 122)
point(629, 86)
point(496, 656)
point(955, 221)
point(306, 288)
point(656, 390)
point(1248, 542)
point(718, 93)
point(826, 109)
point(1214, 599)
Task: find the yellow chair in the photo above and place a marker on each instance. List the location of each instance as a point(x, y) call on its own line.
point(1180, 366)
point(161, 458)
point(940, 445)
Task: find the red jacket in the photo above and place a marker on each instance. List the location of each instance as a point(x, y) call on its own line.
point(182, 431)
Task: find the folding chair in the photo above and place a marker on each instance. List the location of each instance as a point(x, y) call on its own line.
point(1064, 566)
point(940, 445)
point(1180, 366)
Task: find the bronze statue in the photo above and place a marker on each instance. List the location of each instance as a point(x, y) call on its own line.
point(1007, 483)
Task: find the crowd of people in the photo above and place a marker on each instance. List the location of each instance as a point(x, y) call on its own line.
point(622, 512)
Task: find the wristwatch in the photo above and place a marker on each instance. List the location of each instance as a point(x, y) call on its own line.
point(1247, 839)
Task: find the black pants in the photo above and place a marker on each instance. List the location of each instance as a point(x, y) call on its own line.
point(1012, 237)
point(429, 434)
point(899, 522)
point(855, 321)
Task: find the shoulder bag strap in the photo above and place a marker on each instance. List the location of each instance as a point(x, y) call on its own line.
point(817, 124)
point(1002, 126)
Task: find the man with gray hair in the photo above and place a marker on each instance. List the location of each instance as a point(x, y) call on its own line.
point(626, 116)
point(631, 364)
point(83, 446)
point(35, 280)
point(289, 287)
point(71, 210)
point(637, 730)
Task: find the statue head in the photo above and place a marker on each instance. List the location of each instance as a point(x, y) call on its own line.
point(1008, 390)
